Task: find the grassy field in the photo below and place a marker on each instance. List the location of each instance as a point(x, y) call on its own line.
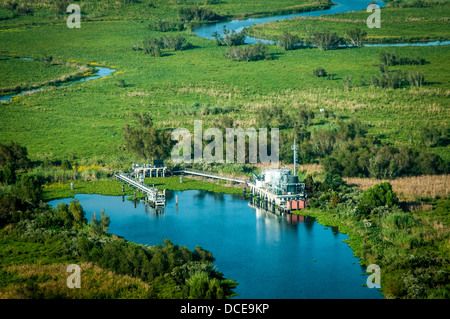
point(88, 122)
point(410, 188)
point(114, 188)
point(48, 11)
point(398, 25)
point(34, 73)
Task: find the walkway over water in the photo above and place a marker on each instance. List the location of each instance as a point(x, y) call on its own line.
point(209, 175)
point(154, 196)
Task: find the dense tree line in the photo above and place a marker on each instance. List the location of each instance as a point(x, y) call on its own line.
point(347, 151)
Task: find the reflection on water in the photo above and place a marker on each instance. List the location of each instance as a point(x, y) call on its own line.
point(259, 249)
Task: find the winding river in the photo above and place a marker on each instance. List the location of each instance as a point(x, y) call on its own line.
point(342, 6)
point(207, 30)
point(271, 256)
point(100, 72)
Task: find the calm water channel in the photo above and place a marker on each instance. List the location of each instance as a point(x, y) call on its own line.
point(270, 256)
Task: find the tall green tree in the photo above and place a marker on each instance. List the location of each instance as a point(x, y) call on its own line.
point(78, 213)
point(379, 195)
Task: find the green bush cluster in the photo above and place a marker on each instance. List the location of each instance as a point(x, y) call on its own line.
point(198, 14)
point(288, 41)
point(256, 52)
point(230, 38)
point(165, 25)
point(154, 46)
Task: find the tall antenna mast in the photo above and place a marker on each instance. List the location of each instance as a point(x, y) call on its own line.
point(295, 149)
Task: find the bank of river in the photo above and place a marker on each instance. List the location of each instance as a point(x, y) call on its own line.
point(341, 6)
point(99, 72)
point(270, 256)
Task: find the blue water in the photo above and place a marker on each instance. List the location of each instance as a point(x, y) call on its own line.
point(343, 6)
point(99, 73)
point(270, 256)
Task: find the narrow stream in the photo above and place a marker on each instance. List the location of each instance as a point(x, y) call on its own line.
point(100, 72)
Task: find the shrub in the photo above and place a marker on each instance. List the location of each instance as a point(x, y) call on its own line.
point(391, 59)
point(198, 14)
point(356, 36)
point(259, 51)
point(320, 72)
point(393, 80)
point(177, 43)
point(61, 6)
point(326, 40)
point(166, 25)
point(398, 220)
point(230, 38)
point(347, 82)
point(121, 84)
point(152, 46)
point(415, 78)
point(65, 165)
point(24, 10)
point(11, 5)
point(288, 41)
point(379, 195)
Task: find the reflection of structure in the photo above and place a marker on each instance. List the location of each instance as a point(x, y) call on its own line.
point(294, 219)
point(278, 189)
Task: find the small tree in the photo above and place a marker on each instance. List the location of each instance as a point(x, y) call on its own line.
point(356, 36)
point(100, 227)
point(320, 72)
point(78, 213)
point(8, 174)
point(65, 165)
point(230, 38)
point(63, 213)
point(379, 195)
point(288, 41)
point(326, 40)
